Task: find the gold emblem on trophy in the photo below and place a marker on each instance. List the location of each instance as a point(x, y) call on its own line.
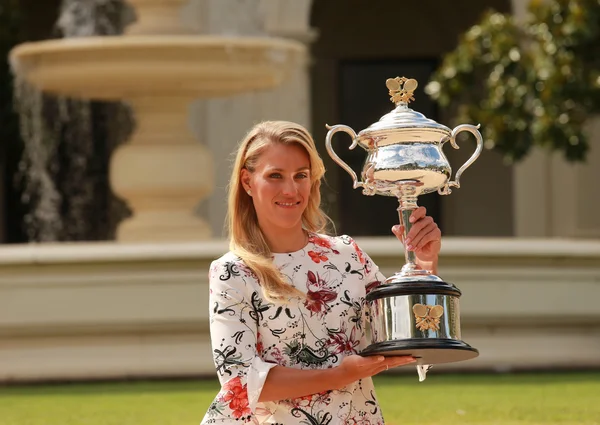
point(401, 89)
point(428, 316)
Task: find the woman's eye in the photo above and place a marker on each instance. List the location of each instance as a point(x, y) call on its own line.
point(275, 175)
point(302, 175)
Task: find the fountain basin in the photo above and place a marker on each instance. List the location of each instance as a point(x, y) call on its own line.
point(116, 67)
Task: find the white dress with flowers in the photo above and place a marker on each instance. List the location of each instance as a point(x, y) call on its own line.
point(251, 335)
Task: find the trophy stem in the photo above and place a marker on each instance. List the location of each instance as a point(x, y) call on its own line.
point(411, 271)
point(407, 206)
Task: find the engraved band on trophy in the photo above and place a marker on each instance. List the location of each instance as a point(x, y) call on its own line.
point(414, 312)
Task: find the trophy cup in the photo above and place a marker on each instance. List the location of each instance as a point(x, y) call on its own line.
point(414, 312)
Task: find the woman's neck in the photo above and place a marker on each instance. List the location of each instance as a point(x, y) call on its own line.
point(285, 240)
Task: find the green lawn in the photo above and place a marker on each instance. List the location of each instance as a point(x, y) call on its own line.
point(567, 398)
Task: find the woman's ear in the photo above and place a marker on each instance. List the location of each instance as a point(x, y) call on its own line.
point(245, 179)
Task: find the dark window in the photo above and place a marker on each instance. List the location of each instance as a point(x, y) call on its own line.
point(362, 100)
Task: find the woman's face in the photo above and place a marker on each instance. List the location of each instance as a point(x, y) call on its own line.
point(280, 186)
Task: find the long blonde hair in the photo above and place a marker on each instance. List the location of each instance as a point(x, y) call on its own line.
point(246, 240)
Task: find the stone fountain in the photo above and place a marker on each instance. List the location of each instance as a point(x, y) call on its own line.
point(158, 68)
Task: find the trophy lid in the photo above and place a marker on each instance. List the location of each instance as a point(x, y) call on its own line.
point(402, 117)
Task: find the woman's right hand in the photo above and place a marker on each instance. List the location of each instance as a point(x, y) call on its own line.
point(356, 367)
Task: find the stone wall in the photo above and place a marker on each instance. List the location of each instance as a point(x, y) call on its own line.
point(100, 311)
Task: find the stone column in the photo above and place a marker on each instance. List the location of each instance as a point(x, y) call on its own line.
point(553, 198)
point(574, 192)
point(530, 180)
point(225, 121)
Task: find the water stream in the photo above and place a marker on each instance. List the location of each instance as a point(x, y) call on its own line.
point(62, 173)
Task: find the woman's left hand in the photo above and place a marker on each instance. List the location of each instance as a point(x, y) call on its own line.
point(424, 237)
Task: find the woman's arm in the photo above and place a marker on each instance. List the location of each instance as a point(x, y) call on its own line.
point(286, 383)
point(234, 337)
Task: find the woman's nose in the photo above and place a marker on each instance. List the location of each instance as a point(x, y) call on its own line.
point(290, 188)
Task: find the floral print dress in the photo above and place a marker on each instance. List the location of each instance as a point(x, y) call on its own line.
point(250, 335)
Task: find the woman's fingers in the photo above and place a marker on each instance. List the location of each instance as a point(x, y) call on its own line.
point(423, 230)
point(392, 362)
point(400, 360)
point(369, 361)
point(428, 234)
point(434, 236)
point(398, 230)
point(416, 232)
point(417, 214)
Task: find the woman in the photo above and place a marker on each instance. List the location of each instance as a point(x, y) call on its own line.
point(288, 302)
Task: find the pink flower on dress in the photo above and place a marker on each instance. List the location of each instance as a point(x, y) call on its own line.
point(310, 401)
point(278, 356)
point(246, 270)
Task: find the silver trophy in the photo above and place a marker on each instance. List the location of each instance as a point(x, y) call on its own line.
point(414, 312)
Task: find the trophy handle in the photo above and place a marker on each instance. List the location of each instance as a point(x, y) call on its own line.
point(452, 139)
point(332, 130)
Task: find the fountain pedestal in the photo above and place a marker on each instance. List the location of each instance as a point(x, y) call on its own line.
point(162, 172)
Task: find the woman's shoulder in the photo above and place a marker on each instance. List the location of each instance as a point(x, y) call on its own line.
point(228, 257)
point(226, 260)
point(229, 266)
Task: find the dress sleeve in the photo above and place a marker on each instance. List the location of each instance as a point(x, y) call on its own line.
point(233, 330)
point(373, 277)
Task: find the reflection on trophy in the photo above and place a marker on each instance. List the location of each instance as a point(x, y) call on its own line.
point(414, 312)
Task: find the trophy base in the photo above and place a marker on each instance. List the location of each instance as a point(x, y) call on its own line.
point(412, 272)
point(407, 278)
point(425, 351)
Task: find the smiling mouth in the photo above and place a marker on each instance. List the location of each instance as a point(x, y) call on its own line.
point(287, 204)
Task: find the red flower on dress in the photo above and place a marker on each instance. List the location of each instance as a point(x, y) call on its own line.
point(343, 342)
point(359, 253)
point(318, 298)
point(236, 395)
point(259, 343)
point(322, 242)
point(317, 301)
point(317, 256)
point(372, 286)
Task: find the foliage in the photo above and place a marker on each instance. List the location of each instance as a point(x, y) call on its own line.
point(530, 83)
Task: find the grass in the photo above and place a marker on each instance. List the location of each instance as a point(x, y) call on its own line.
point(533, 399)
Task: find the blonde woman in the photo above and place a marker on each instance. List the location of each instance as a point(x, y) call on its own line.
point(287, 303)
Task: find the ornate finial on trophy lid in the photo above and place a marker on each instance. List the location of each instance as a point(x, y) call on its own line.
point(401, 89)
